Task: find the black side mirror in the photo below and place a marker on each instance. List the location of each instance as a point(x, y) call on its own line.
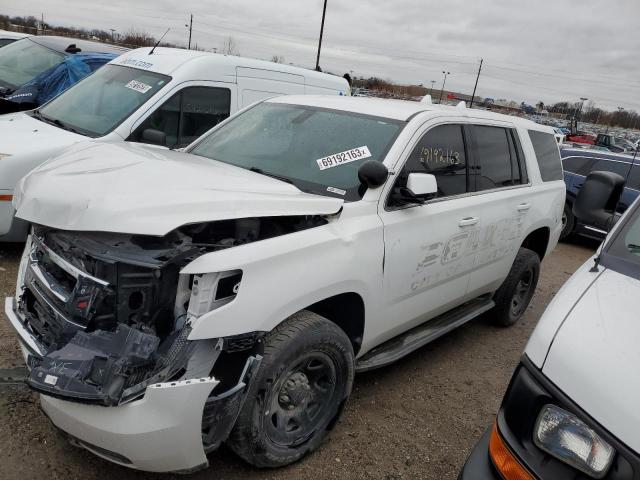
point(155, 137)
point(373, 174)
point(597, 199)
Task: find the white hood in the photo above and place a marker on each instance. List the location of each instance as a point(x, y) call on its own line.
point(595, 355)
point(138, 189)
point(26, 142)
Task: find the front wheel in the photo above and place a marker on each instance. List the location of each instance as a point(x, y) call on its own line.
point(514, 295)
point(568, 222)
point(298, 394)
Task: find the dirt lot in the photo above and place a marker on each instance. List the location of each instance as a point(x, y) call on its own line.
point(416, 419)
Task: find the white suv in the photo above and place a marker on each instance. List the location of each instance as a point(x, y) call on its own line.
point(170, 301)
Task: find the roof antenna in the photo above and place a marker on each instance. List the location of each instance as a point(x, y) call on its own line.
point(158, 42)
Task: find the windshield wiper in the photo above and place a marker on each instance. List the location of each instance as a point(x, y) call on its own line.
point(635, 248)
point(53, 121)
point(272, 175)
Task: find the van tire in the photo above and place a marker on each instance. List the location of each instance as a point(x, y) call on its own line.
point(514, 295)
point(307, 366)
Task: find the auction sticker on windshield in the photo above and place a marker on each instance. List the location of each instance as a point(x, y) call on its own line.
point(138, 86)
point(343, 157)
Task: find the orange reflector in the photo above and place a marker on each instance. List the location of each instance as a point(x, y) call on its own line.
point(503, 459)
point(6, 198)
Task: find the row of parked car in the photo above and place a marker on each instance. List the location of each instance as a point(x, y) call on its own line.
point(225, 281)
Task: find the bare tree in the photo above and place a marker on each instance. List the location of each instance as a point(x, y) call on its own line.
point(277, 59)
point(230, 47)
point(138, 38)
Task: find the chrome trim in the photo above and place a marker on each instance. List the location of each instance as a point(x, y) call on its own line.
point(66, 266)
point(594, 229)
point(40, 276)
point(35, 289)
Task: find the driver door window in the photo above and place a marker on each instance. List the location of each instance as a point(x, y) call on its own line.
point(440, 152)
point(187, 115)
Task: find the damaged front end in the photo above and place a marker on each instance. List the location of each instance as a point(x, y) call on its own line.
point(104, 317)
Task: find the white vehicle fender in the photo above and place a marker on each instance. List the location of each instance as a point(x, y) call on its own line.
point(283, 275)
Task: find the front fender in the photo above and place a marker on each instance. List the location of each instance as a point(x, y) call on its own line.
point(283, 275)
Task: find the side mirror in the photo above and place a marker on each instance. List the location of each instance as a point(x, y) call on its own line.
point(155, 137)
point(373, 174)
point(422, 184)
point(597, 199)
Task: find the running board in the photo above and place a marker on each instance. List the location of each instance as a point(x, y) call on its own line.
point(417, 337)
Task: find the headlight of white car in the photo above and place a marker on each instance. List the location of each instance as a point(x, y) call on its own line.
point(567, 438)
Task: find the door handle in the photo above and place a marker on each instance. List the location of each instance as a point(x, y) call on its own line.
point(524, 206)
point(465, 222)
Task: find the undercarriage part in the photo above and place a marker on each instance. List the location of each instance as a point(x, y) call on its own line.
point(110, 312)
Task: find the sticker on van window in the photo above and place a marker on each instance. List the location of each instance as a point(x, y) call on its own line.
point(138, 86)
point(336, 190)
point(343, 157)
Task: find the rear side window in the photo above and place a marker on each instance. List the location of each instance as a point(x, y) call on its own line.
point(578, 165)
point(547, 154)
point(440, 152)
point(495, 158)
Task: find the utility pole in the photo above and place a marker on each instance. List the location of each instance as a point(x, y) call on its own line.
point(190, 29)
point(324, 12)
point(473, 95)
point(444, 80)
point(113, 31)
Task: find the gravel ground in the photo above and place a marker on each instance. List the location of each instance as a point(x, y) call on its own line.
point(418, 418)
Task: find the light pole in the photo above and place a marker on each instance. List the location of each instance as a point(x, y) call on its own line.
point(190, 27)
point(324, 12)
point(444, 80)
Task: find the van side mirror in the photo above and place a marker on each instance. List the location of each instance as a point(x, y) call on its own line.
point(155, 137)
point(597, 199)
point(373, 174)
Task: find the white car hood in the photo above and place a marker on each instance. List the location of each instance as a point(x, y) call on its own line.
point(20, 133)
point(595, 355)
point(138, 189)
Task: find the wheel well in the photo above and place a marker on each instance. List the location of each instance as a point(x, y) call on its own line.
point(538, 240)
point(347, 311)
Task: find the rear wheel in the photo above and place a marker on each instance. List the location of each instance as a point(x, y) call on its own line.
point(298, 394)
point(514, 295)
point(568, 222)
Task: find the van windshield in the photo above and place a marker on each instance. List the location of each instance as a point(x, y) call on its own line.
point(103, 100)
point(318, 150)
point(24, 60)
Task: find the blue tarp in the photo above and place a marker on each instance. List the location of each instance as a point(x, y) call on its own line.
point(57, 79)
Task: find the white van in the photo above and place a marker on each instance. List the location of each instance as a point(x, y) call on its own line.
point(164, 96)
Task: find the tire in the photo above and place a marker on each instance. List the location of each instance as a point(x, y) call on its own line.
point(514, 295)
point(298, 394)
point(568, 222)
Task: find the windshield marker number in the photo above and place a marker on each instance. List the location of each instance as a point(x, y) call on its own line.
point(138, 86)
point(343, 157)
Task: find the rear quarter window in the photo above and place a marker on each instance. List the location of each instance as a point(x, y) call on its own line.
point(547, 155)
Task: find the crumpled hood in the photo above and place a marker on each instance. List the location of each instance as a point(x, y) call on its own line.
point(595, 355)
point(146, 190)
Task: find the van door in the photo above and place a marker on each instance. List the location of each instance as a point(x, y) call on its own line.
point(255, 84)
point(427, 259)
point(190, 110)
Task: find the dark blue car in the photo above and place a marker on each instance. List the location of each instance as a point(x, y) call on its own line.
point(35, 69)
point(577, 163)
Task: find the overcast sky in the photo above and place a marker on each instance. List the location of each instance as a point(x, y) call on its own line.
point(533, 50)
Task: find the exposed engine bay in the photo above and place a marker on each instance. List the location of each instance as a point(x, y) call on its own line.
point(111, 312)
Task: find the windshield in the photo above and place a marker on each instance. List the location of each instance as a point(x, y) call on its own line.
point(23, 60)
point(318, 150)
point(622, 252)
point(100, 102)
